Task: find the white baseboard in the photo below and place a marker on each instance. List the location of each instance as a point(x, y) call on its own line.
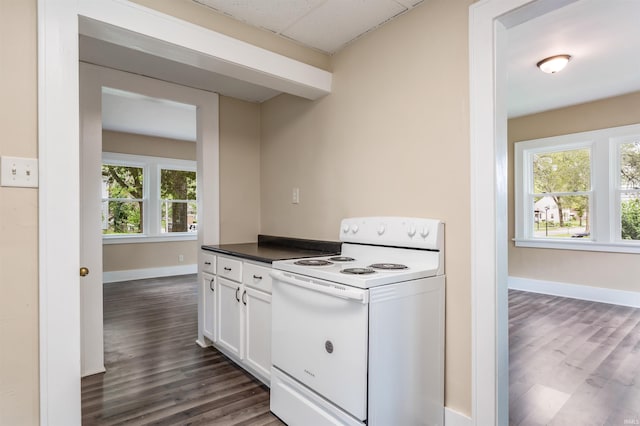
point(454, 418)
point(575, 291)
point(140, 274)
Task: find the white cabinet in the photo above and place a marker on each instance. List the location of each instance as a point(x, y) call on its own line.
point(243, 314)
point(228, 315)
point(257, 336)
point(209, 306)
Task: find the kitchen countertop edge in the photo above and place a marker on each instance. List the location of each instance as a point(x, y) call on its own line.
point(271, 248)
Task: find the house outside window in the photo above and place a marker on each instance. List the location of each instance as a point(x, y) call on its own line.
point(579, 191)
point(148, 199)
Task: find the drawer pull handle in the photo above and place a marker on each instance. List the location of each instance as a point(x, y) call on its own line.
point(226, 268)
point(244, 297)
point(207, 263)
point(257, 277)
point(237, 298)
point(211, 285)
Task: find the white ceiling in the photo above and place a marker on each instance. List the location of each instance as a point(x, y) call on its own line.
point(603, 39)
point(134, 113)
point(325, 25)
point(602, 36)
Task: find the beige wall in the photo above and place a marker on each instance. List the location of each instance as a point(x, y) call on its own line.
point(208, 18)
point(123, 257)
point(18, 218)
point(129, 143)
point(392, 139)
point(597, 269)
point(239, 170)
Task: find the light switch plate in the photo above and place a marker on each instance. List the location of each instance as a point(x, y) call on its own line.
point(18, 171)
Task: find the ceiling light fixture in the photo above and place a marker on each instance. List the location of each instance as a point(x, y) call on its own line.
point(553, 64)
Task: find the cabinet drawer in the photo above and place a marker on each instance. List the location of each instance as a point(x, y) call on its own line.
point(229, 268)
point(208, 264)
point(257, 277)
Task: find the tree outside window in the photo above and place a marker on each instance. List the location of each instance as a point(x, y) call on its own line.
point(630, 191)
point(178, 200)
point(561, 193)
point(123, 199)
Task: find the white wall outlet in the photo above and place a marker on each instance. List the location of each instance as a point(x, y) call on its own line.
point(295, 196)
point(180, 258)
point(18, 171)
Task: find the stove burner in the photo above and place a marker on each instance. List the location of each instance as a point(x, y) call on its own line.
point(342, 259)
point(358, 271)
point(312, 262)
point(388, 266)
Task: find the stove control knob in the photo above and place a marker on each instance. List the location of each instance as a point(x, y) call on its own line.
point(354, 229)
point(345, 229)
point(425, 232)
point(381, 230)
point(412, 231)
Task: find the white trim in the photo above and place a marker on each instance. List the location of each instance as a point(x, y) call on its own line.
point(135, 239)
point(454, 418)
point(580, 245)
point(577, 291)
point(140, 274)
point(58, 213)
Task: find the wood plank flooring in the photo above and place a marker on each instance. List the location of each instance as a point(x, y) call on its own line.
point(157, 374)
point(572, 362)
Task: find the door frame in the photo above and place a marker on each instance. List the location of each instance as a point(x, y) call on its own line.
point(488, 24)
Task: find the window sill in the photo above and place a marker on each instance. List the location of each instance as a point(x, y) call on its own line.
point(583, 245)
point(133, 239)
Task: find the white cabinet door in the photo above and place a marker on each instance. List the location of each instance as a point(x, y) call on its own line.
point(257, 331)
point(229, 316)
point(209, 306)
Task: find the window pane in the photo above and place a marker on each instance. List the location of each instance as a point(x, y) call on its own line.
point(561, 217)
point(630, 216)
point(177, 185)
point(178, 216)
point(122, 181)
point(563, 171)
point(121, 217)
point(630, 165)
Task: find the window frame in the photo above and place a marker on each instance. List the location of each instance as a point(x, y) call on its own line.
point(151, 216)
point(604, 192)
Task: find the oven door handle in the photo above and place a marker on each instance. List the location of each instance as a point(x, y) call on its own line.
point(360, 296)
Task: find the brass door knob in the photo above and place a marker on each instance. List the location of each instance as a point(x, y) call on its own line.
point(84, 271)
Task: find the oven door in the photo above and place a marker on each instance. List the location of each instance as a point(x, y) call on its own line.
point(320, 338)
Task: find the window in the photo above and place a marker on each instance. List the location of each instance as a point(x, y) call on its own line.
point(178, 200)
point(580, 191)
point(148, 198)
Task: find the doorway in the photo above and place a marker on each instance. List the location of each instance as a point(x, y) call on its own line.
point(94, 79)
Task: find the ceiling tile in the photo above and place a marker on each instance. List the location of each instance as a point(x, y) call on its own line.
point(410, 3)
point(336, 22)
point(273, 15)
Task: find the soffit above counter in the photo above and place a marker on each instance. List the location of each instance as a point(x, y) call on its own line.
point(225, 60)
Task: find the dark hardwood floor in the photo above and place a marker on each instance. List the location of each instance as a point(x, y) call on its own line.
point(572, 362)
point(157, 374)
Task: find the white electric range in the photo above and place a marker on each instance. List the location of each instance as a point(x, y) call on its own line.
point(359, 338)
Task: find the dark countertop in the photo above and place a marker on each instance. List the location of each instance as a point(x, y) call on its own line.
point(270, 248)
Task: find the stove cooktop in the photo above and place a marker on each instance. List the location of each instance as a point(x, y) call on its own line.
point(366, 266)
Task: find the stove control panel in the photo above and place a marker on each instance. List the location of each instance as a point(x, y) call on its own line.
point(394, 231)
